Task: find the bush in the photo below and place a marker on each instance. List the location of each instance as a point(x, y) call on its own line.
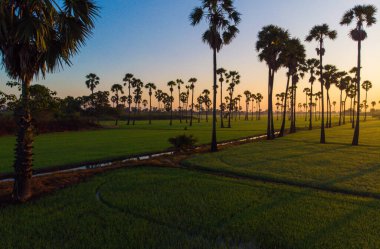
point(183, 142)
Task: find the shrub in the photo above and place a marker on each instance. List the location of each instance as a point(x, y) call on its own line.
point(183, 142)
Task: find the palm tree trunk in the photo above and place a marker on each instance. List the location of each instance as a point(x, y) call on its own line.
point(179, 105)
point(355, 140)
point(214, 146)
point(150, 108)
point(221, 102)
point(23, 159)
point(282, 130)
point(129, 103)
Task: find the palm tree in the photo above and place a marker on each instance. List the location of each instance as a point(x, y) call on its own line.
point(187, 99)
point(116, 88)
point(363, 15)
point(248, 96)
point(200, 102)
point(373, 103)
point(367, 85)
point(128, 79)
point(192, 81)
point(38, 38)
point(179, 83)
point(307, 91)
point(171, 84)
point(159, 96)
point(342, 86)
point(259, 98)
point(222, 73)
point(206, 100)
point(330, 76)
point(123, 100)
point(293, 57)
point(92, 80)
point(222, 20)
point(150, 87)
point(311, 66)
point(137, 84)
point(319, 34)
point(270, 45)
point(184, 98)
point(234, 79)
point(253, 99)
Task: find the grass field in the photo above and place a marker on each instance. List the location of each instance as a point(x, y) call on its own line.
point(66, 148)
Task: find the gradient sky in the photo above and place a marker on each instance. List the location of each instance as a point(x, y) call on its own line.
point(153, 40)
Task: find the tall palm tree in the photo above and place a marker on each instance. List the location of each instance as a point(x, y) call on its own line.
point(92, 80)
point(362, 15)
point(253, 99)
point(259, 98)
point(342, 85)
point(330, 76)
point(150, 87)
point(187, 100)
point(171, 84)
point(128, 80)
point(38, 37)
point(117, 88)
point(307, 91)
point(192, 81)
point(311, 66)
point(320, 33)
point(292, 56)
point(184, 98)
point(222, 73)
point(159, 96)
point(248, 96)
point(270, 45)
point(137, 84)
point(367, 85)
point(179, 83)
point(222, 19)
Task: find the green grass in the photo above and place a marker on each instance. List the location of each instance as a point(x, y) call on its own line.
point(172, 208)
point(300, 159)
point(66, 148)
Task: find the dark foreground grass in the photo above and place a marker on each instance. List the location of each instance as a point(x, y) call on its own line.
point(300, 159)
point(58, 149)
point(172, 208)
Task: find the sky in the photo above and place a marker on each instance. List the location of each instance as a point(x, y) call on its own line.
point(153, 40)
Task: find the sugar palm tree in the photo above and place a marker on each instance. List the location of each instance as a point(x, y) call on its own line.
point(367, 85)
point(179, 83)
point(38, 37)
point(187, 100)
point(171, 84)
point(259, 98)
point(270, 45)
point(292, 56)
point(137, 84)
point(330, 76)
point(128, 80)
point(150, 87)
point(253, 99)
point(342, 85)
point(92, 80)
point(233, 79)
point(117, 88)
point(307, 91)
point(206, 100)
point(159, 96)
point(320, 33)
point(248, 96)
point(184, 98)
point(222, 20)
point(362, 15)
point(311, 66)
point(192, 81)
point(222, 74)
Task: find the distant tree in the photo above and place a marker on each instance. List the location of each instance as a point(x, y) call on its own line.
point(207, 101)
point(159, 96)
point(171, 84)
point(179, 82)
point(150, 87)
point(137, 84)
point(319, 34)
point(222, 75)
point(361, 14)
point(311, 66)
point(117, 89)
point(367, 85)
point(92, 80)
point(192, 81)
point(248, 96)
point(233, 78)
point(222, 20)
point(128, 80)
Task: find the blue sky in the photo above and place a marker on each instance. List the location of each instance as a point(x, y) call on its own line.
point(154, 40)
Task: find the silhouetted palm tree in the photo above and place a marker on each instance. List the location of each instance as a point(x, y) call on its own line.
point(311, 65)
point(137, 84)
point(179, 83)
point(117, 88)
point(233, 79)
point(270, 45)
point(150, 87)
point(259, 98)
point(92, 80)
point(192, 81)
point(319, 34)
point(159, 96)
point(342, 85)
point(247, 101)
point(307, 91)
point(171, 84)
point(128, 79)
point(207, 101)
point(36, 38)
point(222, 73)
point(222, 19)
point(367, 85)
point(362, 15)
